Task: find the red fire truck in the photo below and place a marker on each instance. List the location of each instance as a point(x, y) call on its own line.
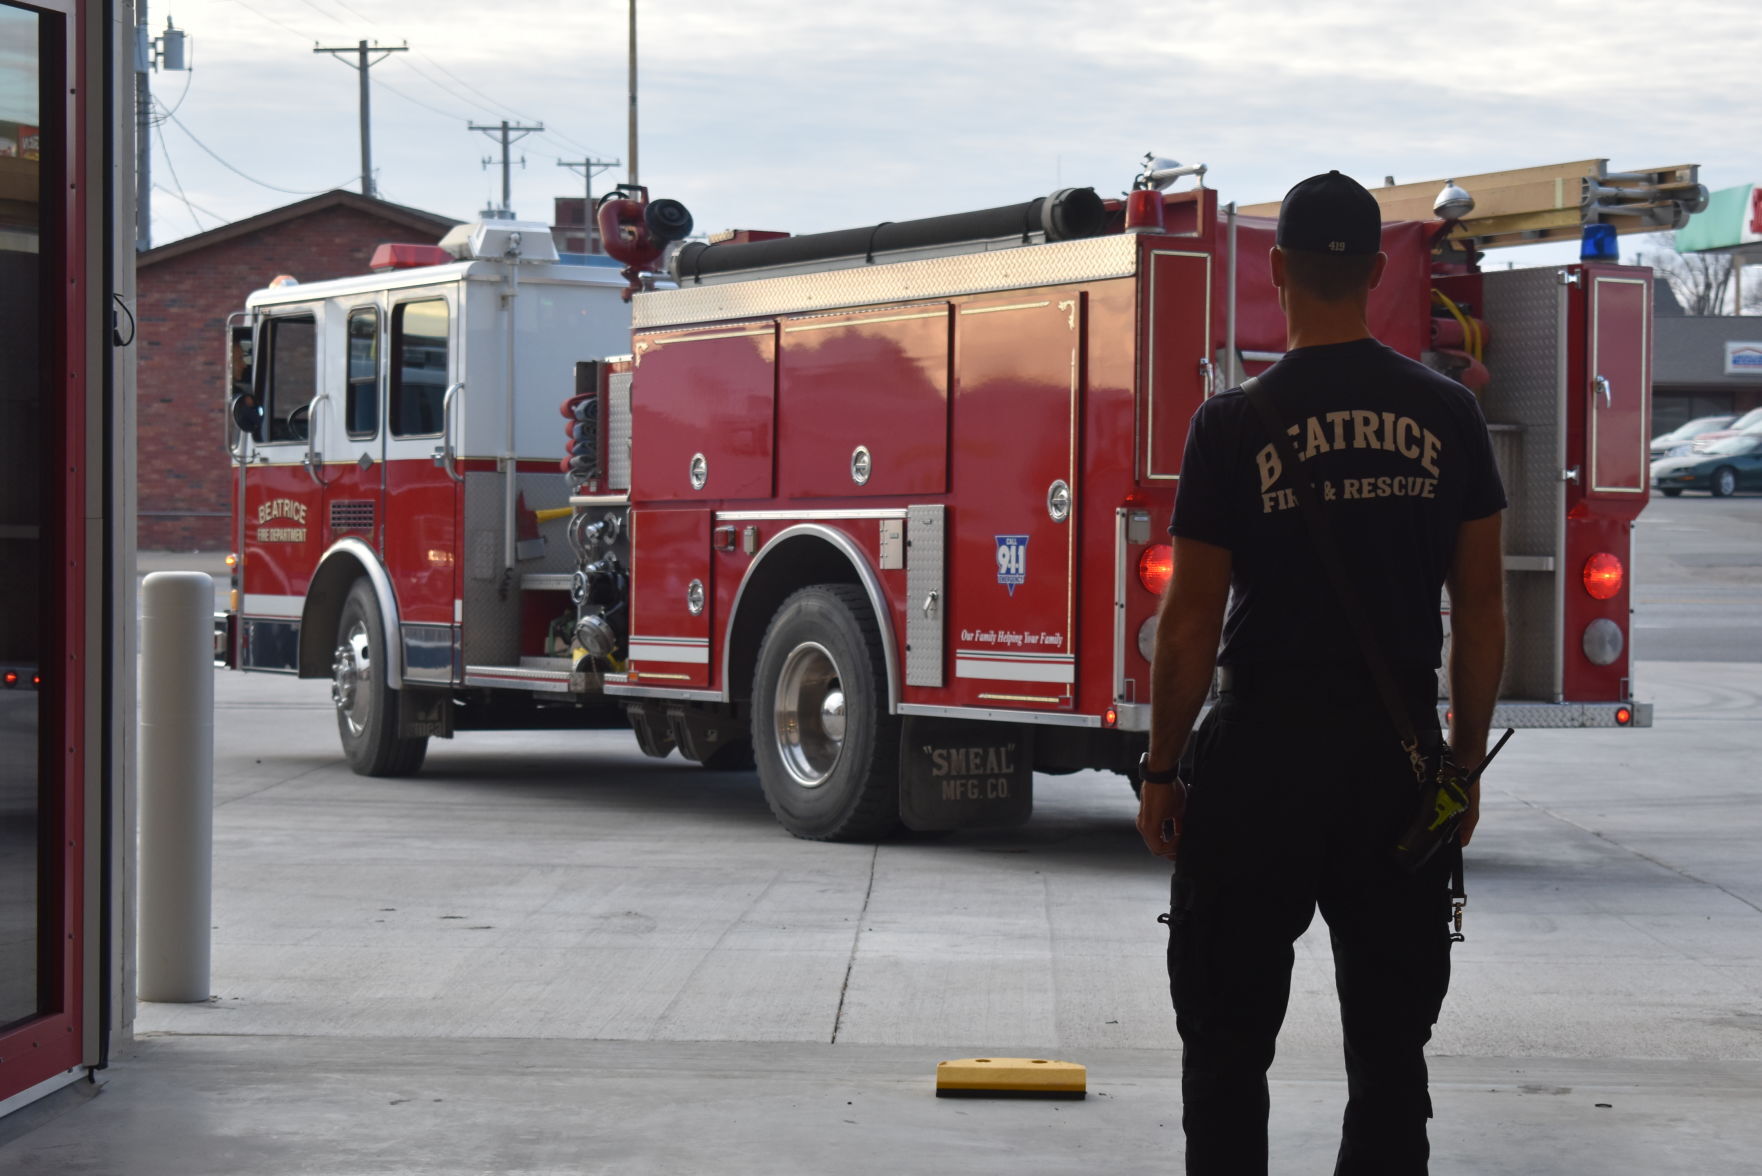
point(880, 512)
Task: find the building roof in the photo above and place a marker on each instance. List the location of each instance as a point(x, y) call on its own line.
point(427, 225)
point(1690, 351)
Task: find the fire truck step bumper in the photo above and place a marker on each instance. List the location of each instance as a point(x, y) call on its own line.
point(1565, 714)
point(555, 678)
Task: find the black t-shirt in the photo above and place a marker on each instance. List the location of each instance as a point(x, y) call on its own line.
point(1402, 457)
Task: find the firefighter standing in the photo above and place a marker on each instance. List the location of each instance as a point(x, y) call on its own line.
point(1291, 794)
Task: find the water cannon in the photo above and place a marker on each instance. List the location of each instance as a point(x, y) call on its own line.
point(636, 230)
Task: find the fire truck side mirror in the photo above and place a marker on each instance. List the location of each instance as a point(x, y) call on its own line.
point(247, 414)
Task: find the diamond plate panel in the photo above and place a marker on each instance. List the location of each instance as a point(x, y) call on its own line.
point(924, 613)
point(618, 431)
point(942, 277)
point(1526, 313)
point(490, 606)
point(1525, 310)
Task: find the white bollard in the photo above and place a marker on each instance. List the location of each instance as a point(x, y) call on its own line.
point(176, 785)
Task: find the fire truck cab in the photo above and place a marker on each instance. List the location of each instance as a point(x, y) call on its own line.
point(393, 440)
point(880, 512)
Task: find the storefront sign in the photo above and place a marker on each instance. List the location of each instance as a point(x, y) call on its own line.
point(1743, 359)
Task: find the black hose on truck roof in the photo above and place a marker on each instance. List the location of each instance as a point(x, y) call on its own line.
point(1066, 215)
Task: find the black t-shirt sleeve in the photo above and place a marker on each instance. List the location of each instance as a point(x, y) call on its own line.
point(1484, 493)
point(1203, 503)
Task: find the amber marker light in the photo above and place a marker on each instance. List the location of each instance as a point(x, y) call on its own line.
point(1602, 575)
point(1156, 567)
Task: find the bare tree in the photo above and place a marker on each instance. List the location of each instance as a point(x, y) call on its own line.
point(1701, 281)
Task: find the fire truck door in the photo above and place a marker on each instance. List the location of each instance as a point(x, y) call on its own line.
point(281, 503)
point(1618, 385)
point(1013, 510)
point(354, 433)
point(424, 472)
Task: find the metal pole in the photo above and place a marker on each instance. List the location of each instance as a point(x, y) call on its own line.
point(143, 133)
point(1232, 376)
point(507, 167)
point(176, 786)
point(366, 135)
point(633, 178)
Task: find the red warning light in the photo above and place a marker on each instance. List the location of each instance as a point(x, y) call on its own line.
point(1602, 575)
point(1623, 716)
point(1156, 567)
point(1110, 717)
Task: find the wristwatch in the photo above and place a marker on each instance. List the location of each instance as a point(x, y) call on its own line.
point(1147, 775)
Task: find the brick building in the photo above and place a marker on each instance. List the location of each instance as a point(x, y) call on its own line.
point(186, 290)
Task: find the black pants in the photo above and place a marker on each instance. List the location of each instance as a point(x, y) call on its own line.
point(1297, 793)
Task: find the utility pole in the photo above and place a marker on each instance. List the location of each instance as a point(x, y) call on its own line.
point(166, 52)
point(361, 65)
point(509, 136)
point(143, 130)
point(589, 169)
point(632, 151)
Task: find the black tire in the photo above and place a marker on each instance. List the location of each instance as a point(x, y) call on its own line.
point(367, 708)
point(1672, 491)
point(826, 748)
point(1724, 482)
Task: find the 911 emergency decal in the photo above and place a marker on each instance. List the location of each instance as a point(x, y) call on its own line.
point(1012, 561)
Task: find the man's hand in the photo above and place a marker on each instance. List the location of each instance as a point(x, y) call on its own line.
point(1161, 808)
point(1472, 817)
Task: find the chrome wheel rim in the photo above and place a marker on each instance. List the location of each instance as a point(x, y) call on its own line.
point(351, 678)
point(809, 713)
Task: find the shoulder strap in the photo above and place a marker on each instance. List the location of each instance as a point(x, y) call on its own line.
point(1327, 549)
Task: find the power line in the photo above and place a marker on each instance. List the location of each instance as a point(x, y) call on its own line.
point(354, 12)
point(165, 113)
point(498, 105)
point(466, 99)
point(229, 167)
point(261, 15)
point(493, 103)
point(384, 85)
point(187, 201)
point(320, 12)
point(172, 167)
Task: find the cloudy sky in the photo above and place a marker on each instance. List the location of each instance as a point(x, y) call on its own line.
point(802, 115)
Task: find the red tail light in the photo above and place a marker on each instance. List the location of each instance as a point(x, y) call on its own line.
point(1602, 575)
point(1156, 567)
point(11, 679)
point(1623, 716)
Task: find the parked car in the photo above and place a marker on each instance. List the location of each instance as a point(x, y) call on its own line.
point(1680, 438)
point(1748, 423)
point(1723, 468)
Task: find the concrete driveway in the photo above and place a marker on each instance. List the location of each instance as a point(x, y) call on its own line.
point(547, 953)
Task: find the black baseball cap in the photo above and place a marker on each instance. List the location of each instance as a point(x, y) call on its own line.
point(1331, 214)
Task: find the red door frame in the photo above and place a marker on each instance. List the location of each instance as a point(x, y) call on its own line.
point(52, 1043)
